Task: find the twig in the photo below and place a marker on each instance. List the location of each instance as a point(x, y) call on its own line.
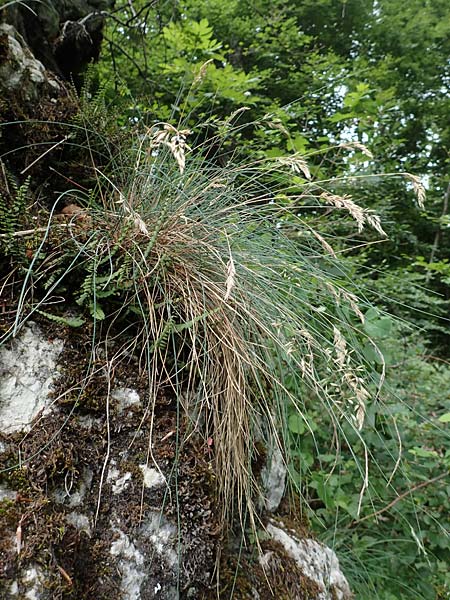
point(147, 6)
point(31, 231)
point(65, 138)
point(82, 187)
point(394, 502)
point(133, 12)
point(66, 576)
point(4, 176)
point(134, 15)
point(130, 58)
point(20, 4)
point(109, 376)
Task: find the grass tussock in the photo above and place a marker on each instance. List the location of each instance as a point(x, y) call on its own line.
point(233, 300)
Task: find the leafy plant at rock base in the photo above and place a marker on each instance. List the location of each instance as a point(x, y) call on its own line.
point(13, 201)
point(398, 546)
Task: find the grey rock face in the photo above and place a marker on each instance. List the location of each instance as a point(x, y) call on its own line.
point(64, 35)
point(21, 74)
point(100, 515)
point(273, 477)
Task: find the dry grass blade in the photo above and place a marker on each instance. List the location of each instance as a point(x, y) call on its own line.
point(341, 294)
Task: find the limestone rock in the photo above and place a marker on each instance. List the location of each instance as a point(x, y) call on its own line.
point(77, 514)
point(21, 74)
point(318, 562)
point(65, 35)
point(273, 477)
point(28, 368)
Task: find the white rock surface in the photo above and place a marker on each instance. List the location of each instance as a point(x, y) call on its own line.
point(80, 521)
point(318, 562)
point(27, 372)
point(163, 536)
point(152, 477)
point(32, 581)
point(121, 483)
point(131, 565)
point(131, 562)
point(273, 476)
point(125, 397)
point(74, 498)
point(118, 482)
point(28, 369)
point(6, 493)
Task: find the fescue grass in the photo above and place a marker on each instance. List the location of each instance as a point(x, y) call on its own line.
point(236, 303)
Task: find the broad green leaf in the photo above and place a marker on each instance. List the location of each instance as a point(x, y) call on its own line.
point(423, 452)
point(378, 328)
point(296, 424)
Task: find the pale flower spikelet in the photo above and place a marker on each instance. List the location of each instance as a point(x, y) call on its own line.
point(175, 140)
point(360, 395)
point(361, 147)
point(297, 164)
point(362, 216)
point(418, 187)
point(231, 278)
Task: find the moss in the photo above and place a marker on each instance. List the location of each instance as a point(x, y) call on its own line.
point(4, 47)
point(259, 459)
point(294, 515)
point(9, 520)
point(17, 479)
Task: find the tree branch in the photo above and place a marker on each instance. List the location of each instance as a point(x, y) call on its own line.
point(437, 237)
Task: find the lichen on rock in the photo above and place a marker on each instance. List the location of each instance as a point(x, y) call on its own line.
point(28, 368)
